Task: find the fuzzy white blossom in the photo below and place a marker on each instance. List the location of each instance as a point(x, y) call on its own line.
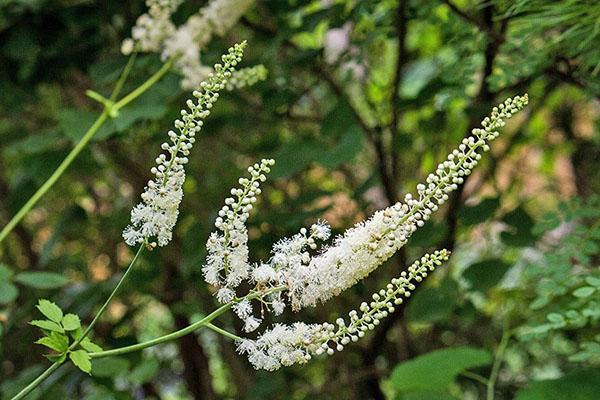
point(251, 323)
point(227, 262)
point(284, 345)
point(294, 273)
point(155, 216)
point(155, 32)
point(243, 309)
point(152, 28)
point(363, 248)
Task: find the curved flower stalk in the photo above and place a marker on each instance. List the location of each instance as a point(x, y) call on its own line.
point(285, 345)
point(157, 214)
point(154, 32)
point(307, 280)
point(227, 264)
point(366, 246)
point(227, 261)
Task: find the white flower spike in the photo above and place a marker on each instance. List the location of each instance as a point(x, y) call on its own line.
point(306, 279)
point(153, 219)
point(154, 32)
point(285, 345)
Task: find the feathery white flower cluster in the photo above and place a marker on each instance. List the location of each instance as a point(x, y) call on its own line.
point(152, 28)
point(157, 214)
point(284, 345)
point(154, 32)
point(288, 255)
point(309, 280)
point(227, 262)
point(366, 246)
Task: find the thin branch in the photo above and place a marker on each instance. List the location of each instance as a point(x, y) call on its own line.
point(484, 98)
point(339, 92)
point(489, 30)
point(498, 358)
point(374, 134)
point(565, 76)
point(401, 60)
point(21, 233)
point(223, 332)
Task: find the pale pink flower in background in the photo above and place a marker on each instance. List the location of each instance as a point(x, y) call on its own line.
point(336, 42)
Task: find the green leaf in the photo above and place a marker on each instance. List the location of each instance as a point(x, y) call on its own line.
point(472, 215)
point(556, 318)
point(5, 272)
point(585, 291)
point(417, 75)
point(45, 141)
point(548, 222)
point(311, 40)
point(438, 369)
point(71, 322)
point(50, 310)
point(485, 274)
point(575, 385)
point(430, 304)
point(76, 334)
point(299, 154)
point(41, 280)
point(10, 387)
point(82, 360)
point(344, 151)
point(593, 281)
point(429, 234)
point(90, 346)
point(55, 341)
point(110, 367)
point(135, 112)
point(338, 121)
point(8, 292)
point(520, 233)
point(47, 325)
point(294, 156)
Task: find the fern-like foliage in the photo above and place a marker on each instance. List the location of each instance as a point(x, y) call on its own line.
point(565, 283)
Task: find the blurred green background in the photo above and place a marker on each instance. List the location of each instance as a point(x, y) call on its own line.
point(363, 99)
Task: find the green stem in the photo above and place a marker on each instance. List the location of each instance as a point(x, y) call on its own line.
point(89, 134)
point(109, 299)
point(499, 356)
point(137, 92)
point(166, 338)
point(475, 377)
point(204, 322)
point(123, 78)
point(37, 381)
point(223, 332)
point(57, 364)
point(55, 175)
